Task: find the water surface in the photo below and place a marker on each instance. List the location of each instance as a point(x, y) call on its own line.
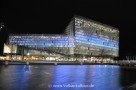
point(65, 77)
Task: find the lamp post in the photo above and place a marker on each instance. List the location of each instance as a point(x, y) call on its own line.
point(1, 25)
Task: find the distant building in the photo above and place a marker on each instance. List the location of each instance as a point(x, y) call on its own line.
point(84, 39)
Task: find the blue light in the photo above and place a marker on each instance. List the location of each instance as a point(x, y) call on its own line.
point(96, 40)
point(53, 41)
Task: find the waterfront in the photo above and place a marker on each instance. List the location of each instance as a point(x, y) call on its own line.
point(66, 77)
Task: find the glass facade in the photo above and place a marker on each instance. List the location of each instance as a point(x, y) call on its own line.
point(83, 37)
point(99, 39)
point(41, 40)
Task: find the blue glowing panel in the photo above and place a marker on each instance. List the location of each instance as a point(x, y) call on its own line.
point(47, 41)
point(96, 40)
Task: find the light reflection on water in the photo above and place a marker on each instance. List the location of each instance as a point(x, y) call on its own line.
point(97, 76)
point(61, 77)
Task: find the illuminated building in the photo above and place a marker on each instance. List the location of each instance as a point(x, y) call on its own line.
point(84, 39)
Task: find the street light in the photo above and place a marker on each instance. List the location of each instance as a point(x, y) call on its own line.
point(1, 25)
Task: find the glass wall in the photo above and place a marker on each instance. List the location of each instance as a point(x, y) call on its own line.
point(82, 37)
point(101, 40)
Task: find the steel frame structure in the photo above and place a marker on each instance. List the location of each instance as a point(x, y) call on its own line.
point(82, 37)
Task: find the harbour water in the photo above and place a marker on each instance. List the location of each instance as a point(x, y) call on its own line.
point(66, 77)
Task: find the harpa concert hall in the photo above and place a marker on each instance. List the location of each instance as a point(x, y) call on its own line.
point(83, 40)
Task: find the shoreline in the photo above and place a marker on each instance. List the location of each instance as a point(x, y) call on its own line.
point(40, 62)
point(51, 63)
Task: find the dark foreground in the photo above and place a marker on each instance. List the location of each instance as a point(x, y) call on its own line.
point(66, 77)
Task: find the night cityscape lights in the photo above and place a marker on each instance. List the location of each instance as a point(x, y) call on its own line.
point(83, 38)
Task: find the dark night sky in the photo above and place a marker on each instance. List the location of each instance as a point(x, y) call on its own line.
point(40, 16)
